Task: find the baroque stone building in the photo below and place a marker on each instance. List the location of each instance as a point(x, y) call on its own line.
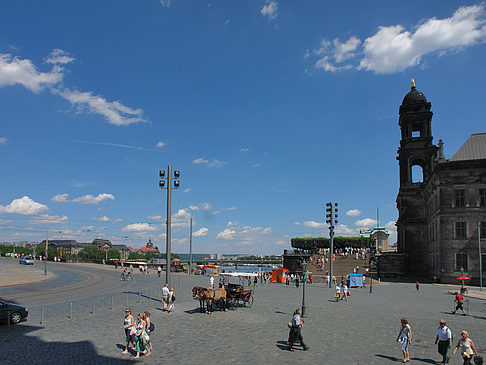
point(441, 202)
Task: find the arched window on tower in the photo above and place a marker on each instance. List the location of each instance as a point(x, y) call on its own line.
point(417, 174)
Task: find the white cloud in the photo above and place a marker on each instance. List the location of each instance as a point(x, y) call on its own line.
point(270, 9)
point(139, 227)
point(231, 208)
point(117, 220)
point(193, 207)
point(3, 140)
point(118, 145)
point(14, 70)
point(394, 48)
point(206, 162)
point(314, 224)
point(245, 233)
point(244, 149)
point(160, 144)
point(49, 219)
point(282, 243)
point(187, 190)
point(114, 112)
point(58, 56)
point(102, 219)
point(24, 206)
point(256, 165)
point(166, 3)
point(201, 232)
point(60, 198)
point(353, 212)
point(366, 223)
point(155, 217)
point(344, 230)
point(90, 199)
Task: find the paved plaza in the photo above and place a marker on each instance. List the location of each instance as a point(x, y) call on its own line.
point(360, 331)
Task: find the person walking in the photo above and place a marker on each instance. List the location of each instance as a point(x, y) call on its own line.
point(443, 340)
point(165, 297)
point(149, 327)
point(459, 299)
point(467, 348)
point(405, 337)
point(159, 270)
point(337, 295)
point(417, 286)
point(141, 336)
point(211, 282)
point(295, 331)
point(129, 327)
point(171, 300)
point(345, 292)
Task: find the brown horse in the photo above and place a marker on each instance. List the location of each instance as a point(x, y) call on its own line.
point(199, 293)
point(216, 296)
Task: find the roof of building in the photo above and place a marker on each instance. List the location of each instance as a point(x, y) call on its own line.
point(60, 242)
point(413, 97)
point(372, 231)
point(120, 247)
point(473, 149)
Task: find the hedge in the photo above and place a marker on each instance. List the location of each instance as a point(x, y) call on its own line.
point(322, 242)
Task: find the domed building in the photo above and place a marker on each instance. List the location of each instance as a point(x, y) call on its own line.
point(441, 202)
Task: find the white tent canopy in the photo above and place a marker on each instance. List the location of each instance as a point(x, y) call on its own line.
point(240, 274)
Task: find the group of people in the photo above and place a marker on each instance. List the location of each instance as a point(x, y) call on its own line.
point(443, 340)
point(168, 299)
point(137, 333)
point(342, 292)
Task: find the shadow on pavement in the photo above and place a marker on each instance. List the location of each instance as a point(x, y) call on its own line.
point(392, 358)
point(282, 345)
point(193, 311)
point(427, 361)
point(16, 339)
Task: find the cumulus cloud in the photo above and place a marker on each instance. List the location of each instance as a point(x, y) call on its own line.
point(49, 219)
point(244, 149)
point(312, 224)
point(24, 206)
point(58, 56)
point(16, 71)
point(394, 48)
point(114, 112)
point(243, 233)
point(85, 199)
point(3, 140)
point(155, 217)
point(353, 212)
point(102, 219)
point(160, 144)
point(366, 223)
point(270, 9)
point(166, 3)
point(344, 230)
point(139, 227)
point(201, 232)
point(187, 190)
point(205, 162)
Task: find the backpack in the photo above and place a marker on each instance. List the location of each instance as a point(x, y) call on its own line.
point(151, 327)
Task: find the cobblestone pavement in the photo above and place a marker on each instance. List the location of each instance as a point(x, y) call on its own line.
point(13, 273)
point(360, 331)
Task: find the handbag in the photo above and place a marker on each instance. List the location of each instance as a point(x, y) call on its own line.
point(151, 327)
point(289, 324)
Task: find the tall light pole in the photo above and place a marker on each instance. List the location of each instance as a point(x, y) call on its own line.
point(331, 219)
point(45, 261)
point(304, 270)
point(480, 258)
point(170, 179)
point(190, 250)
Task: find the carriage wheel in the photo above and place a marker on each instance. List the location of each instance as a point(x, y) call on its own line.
point(248, 301)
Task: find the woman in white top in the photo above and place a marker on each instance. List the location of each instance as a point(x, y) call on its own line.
point(129, 327)
point(141, 336)
point(405, 337)
point(171, 300)
point(467, 348)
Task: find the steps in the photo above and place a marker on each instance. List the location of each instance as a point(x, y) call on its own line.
point(341, 267)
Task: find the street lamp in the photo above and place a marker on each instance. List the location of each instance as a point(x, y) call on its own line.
point(172, 183)
point(369, 267)
point(331, 219)
point(304, 270)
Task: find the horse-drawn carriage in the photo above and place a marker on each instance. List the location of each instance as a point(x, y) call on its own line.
point(225, 298)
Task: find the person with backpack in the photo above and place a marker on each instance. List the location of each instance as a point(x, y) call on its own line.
point(172, 299)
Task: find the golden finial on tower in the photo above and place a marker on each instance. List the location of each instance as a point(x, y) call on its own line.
point(413, 83)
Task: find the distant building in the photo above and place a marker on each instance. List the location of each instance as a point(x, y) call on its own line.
point(71, 247)
point(379, 236)
point(441, 203)
point(149, 247)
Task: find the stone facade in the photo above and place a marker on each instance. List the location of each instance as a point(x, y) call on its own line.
point(440, 209)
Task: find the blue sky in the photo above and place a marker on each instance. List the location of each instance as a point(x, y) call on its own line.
point(269, 109)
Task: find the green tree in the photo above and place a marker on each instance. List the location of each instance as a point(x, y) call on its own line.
point(135, 256)
point(91, 252)
point(113, 253)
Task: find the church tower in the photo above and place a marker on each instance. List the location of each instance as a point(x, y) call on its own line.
point(416, 156)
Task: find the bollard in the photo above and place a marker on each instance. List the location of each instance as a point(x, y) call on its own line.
point(42, 316)
point(111, 303)
point(139, 297)
point(127, 300)
point(8, 318)
point(71, 310)
point(92, 307)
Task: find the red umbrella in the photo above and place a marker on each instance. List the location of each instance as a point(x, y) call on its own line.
point(463, 278)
